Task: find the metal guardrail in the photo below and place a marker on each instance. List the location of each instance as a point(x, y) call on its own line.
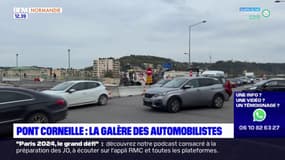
point(10, 79)
point(114, 91)
point(130, 91)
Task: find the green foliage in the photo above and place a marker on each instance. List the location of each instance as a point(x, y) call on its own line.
point(108, 74)
point(139, 60)
point(236, 68)
point(233, 68)
point(88, 68)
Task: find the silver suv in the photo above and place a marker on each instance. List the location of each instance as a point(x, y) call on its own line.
point(186, 91)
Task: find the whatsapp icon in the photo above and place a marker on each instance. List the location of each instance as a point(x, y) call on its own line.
point(259, 115)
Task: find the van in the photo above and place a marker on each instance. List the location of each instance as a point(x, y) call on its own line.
point(211, 73)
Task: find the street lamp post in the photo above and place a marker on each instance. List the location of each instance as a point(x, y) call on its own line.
point(17, 55)
point(17, 66)
point(68, 61)
point(68, 58)
point(189, 51)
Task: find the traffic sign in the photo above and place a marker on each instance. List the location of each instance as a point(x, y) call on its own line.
point(167, 66)
point(149, 71)
point(190, 73)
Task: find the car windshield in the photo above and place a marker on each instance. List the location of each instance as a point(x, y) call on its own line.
point(62, 86)
point(162, 82)
point(260, 83)
point(175, 83)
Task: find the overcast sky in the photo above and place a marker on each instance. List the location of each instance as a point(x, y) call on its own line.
point(105, 28)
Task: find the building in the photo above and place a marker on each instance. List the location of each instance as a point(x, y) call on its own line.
point(104, 67)
point(60, 73)
point(72, 74)
point(27, 72)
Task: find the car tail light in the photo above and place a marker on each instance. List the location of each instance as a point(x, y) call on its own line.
point(60, 102)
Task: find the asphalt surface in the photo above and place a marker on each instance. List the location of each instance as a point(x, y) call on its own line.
point(131, 110)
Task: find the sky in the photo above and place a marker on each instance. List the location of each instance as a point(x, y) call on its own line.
point(116, 28)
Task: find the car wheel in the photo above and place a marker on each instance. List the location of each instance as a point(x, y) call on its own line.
point(103, 100)
point(38, 118)
point(173, 105)
point(218, 101)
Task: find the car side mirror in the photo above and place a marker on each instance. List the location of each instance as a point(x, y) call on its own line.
point(71, 90)
point(187, 86)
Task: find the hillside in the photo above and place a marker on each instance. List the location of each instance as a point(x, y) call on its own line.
point(234, 68)
point(237, 67)
point(139, 60)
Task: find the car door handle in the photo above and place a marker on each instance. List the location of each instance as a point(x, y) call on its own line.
point(198, 90)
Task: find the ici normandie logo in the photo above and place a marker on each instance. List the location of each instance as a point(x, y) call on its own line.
point(22, 13)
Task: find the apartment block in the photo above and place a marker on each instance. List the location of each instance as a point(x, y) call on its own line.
point(102, 66)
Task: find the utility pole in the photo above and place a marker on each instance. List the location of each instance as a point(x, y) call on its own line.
point(68, 58)
point(17, 55)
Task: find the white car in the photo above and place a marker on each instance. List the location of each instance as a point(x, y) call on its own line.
point(81, 92)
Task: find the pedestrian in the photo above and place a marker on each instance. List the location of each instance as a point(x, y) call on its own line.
point(54, 77)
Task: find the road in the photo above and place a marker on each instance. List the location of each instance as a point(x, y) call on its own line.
point(131, 110)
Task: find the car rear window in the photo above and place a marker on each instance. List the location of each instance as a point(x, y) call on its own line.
point(8, 96)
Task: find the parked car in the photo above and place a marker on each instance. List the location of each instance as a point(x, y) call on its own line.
point(251, 79)
point(160, 83)
point(23, 105)
point(184, 92)
point(236, 82)
point(233, 83)
point(81, 92)
point(245, 80)
point(274, 84)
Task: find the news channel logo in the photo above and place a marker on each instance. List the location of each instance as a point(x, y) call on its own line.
point(20, 16)
point(255, 13)
point(23, 13)
point(20, 13)
point(259, 115)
